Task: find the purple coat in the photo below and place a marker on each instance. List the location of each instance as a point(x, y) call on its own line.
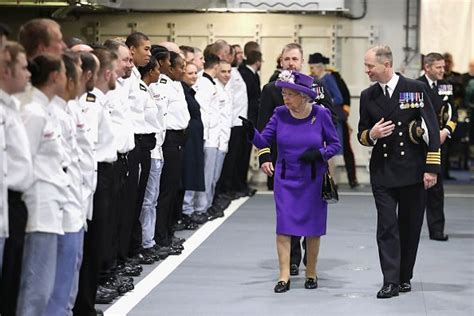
point(300, 210)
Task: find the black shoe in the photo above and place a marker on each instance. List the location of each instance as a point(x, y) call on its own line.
point(294, 269)
point(171, 251)
point(161, 252)
point(215, 213)
point(198, 218)
point(99, 312)
point(388, 290)
point(354, 184)
point(144, 259)
point(127, 270)
point(404, 287)
point(311, 283)
point(150, 252)
point(282, 287)
point(439, 236)
point(105, 296)
point(177, 240)
point(177, 247)
point(179, 225)
point(252, 192)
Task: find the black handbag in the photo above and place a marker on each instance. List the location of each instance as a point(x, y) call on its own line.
point(329, 189)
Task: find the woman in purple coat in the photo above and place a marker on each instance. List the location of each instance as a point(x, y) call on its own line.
point(306, 138)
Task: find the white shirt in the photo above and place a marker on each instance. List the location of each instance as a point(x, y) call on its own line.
point(238, 91)
point(87, 163)
point(120, 114)
point(20, 164)
point(73, 217)
point(208, 99)
point(170, 95)
point(137, 104)
point(392, 84)
point(225, 115)
point(47, 195)
point(101, 130)
point(154, 90)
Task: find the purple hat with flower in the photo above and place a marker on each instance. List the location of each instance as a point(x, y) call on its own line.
point(296, 81)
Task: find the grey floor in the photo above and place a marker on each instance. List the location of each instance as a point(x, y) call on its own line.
point(233, 272)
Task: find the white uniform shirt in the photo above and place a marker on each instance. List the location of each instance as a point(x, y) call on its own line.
point(73, 219)
point(240, 101)
point(137, 104)
point(101, 126)
point(169, 95)
point(47, 195)
point(87, 162)
point(208, 99)
point(15, 156)
point(225, 115)
point(120, 115)
point(154, 90)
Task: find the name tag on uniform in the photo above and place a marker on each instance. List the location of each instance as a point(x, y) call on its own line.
point(411, 100)
point(163, 80)
point(142, 87)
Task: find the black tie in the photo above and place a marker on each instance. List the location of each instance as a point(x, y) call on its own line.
point(433, 86)
point(387, 94)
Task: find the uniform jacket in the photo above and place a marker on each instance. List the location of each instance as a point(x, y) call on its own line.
point(443, 104)
point(208, 99)
point(15, 156)
point(240, 102)
point(252, 80)
point(396, 160)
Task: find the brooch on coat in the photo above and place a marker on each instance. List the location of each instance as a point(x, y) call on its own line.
point(411, 100)
point(313, 119)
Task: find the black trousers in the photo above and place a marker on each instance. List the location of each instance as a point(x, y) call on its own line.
point(13, 254)
point(119, 173)
point(348, 154)
point(170, 184)
point(435, 200)
point(230, 179)
point(130, 233)
point(398, 235)
point(295, 251)
point(95, 248)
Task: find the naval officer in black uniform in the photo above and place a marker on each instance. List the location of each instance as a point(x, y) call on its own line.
point(394, 112)
point(441, 95)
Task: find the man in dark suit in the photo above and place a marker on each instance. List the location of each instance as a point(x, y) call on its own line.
point(291, 59)
point(441, 95)
point(401, 166)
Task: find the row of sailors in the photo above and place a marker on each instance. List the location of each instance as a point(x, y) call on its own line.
point(88, 122)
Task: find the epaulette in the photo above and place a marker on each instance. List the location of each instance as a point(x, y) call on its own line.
point(142, 87)
point(90, 97)
point(163, 80)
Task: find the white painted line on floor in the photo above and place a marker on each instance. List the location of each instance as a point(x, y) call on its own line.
point(446, 195)
point(127, 302)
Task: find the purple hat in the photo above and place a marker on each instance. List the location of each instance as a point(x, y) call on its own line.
point(296, 81)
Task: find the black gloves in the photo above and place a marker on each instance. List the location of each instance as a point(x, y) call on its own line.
point(248, 127)
point(310, 156)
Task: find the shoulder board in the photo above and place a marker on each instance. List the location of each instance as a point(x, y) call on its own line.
point(142, 87)
point(163, 80)
point(90, 97)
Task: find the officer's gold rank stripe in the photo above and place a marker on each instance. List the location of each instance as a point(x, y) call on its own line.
point(364, 138)
point(263, 151)
point(433, 157)
point(451, 125)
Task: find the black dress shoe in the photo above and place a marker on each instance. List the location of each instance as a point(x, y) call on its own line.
point(439, 236)
point(405, 287)
point(144, 259)
point(294, 269)
point(311, 283)
point(388, 290)
point(282, 287)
